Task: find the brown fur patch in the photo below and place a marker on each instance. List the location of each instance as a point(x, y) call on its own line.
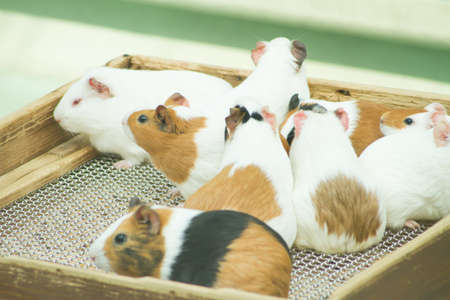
point(171, 145)
point(141, 254)
point(368, 129)
point(285, 144)
point(257, 263)
point(248, 191)
point(290, 113)
point(346, 207)
point(395, 118)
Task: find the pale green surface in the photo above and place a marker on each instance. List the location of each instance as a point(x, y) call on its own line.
point(47, 43)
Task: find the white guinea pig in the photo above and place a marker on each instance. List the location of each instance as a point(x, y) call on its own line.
point(411, 169)
point(96, 104)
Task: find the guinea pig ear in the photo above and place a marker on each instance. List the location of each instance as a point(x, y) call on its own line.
point(233, 120)
point(294, 102)
point(177, 99)
point(101, 88)
point(299, 121)
point(298, 50)
point(441, 128)
point(435, 107)
point(342, 115)
point(258, 52)
point(149, 217)
point(269, 118)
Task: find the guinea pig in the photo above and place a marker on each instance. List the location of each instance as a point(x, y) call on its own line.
point(218, 249)
point(255, 175)
point(399, 119)
point(412, 171)
point(183, 144)
point(363, 124)
point(337, 208)
point(95, 104)
point(279, 73)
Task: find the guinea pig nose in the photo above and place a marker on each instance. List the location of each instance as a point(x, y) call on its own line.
point(142, 119)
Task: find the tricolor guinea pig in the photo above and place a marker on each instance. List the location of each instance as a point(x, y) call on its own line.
point(255, 175)
point(185, 145)
point(218, 249)
point(409, 118)
point(96, 104)
point(337, 208)
point(363, 119)
point(412, 171)
point(279, 73)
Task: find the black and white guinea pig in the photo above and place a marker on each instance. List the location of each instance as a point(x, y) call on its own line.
point(220, 249)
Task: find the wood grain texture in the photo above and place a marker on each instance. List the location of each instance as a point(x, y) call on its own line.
point(27, 279)
point(418, 270)
point(30, 131)
point(44, 168)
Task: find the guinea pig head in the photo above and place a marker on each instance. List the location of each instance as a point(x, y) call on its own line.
point(241, 116)
point(158, 129)
point(277, 49)
point(133, 245)
point(84, 107)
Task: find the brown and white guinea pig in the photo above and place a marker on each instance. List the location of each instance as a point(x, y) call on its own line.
point(185, 145)
point(255, 175)
point(396, 120)
point(219, 249)
point(337, 208)
point(95, 105)
point(279, 73)
point(411, 169)
point(363, 125)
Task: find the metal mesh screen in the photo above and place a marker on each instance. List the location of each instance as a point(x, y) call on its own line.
point(58, 222)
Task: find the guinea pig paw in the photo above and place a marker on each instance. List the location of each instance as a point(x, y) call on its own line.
point(123, 164)
point(174, 193)
point(412, 224)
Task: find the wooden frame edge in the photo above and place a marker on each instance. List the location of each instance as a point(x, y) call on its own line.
point(23, 278)
point(408, 271)
point(44, 168)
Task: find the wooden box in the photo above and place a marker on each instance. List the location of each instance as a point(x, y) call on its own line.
point(34, 150)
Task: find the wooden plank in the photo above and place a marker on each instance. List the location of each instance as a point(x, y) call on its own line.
point(44, 168)
point(27, 279)
point(418, 270)
point(30, 131)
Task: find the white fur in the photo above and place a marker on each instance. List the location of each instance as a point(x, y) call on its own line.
point(412, 174)
point(100, 118)
point(322, 151)
point(97, 251)
point(256, 143)
point(351, 107)
point(274, 80)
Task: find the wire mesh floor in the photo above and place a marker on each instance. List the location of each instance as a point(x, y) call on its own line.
point(58, 222)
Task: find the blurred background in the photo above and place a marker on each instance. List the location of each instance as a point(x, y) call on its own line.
point(392, 43)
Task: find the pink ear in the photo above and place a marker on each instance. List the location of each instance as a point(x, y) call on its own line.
point(177, 99)
point(258, 52)
point(441, 130)
point(435, 107)
point(342, 116)
point(269, 117)
point(299, 121)
point(100, 88)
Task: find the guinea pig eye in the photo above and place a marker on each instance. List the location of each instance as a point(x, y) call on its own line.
point(142, 119)
point(408, 121)
point(120, 238)
point(76, 102)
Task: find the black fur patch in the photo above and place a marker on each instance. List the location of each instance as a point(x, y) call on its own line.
point(290, 136)
point(294, 102)
point(206, 242)
point(145, 266)
point(246, 114)
point(314, 107)
point(257, 116)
